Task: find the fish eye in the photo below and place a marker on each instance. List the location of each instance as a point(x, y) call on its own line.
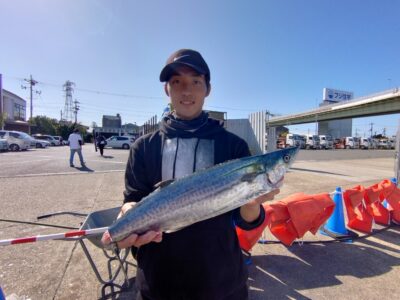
point(286, 158)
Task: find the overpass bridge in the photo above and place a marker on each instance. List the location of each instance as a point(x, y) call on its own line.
point(383, 103)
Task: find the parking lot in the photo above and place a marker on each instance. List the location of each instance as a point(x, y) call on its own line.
point(40, 181)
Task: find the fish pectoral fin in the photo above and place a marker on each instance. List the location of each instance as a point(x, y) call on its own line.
point(163, 184)
point(249, 177)
point(175, 229)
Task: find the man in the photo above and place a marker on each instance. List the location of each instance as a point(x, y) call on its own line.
point(75, 145)
point(101, 142)
point(201, 261)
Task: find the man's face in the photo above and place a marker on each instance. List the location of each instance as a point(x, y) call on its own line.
point(187, 91)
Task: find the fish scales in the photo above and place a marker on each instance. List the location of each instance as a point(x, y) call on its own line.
point(205, 194)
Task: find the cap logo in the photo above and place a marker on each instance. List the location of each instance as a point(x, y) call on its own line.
point(180, 57)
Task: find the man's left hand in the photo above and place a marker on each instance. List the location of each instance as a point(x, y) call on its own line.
point(251, 211)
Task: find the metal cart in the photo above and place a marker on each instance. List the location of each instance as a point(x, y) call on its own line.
point(98, 219)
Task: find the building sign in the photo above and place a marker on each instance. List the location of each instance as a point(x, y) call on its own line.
point(336, 95)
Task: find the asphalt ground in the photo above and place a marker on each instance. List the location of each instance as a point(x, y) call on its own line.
point(38, 182)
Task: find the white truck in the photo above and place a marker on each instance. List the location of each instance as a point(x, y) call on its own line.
point(312, 141)
point(290, 140)
point(365, 143)
point(351, 142)
point(325, 141)
point(384, 144)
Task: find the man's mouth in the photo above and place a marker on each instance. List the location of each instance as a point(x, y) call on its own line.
point(187, 102)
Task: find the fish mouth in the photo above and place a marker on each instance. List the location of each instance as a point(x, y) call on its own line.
point(277, 183)
point(276, 176)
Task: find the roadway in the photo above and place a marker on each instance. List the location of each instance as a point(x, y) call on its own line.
point(38, 182)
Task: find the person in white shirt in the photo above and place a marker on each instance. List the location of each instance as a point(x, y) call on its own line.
point(75, 145)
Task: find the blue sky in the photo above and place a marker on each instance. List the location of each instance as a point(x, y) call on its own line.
point(274, 55)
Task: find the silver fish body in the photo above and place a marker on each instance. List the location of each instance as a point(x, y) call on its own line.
point(205, 194)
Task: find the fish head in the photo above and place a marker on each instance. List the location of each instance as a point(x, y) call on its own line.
point(275, 164)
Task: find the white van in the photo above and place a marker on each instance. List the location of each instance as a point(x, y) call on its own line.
point(17, 140)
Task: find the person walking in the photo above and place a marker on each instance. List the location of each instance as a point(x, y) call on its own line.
point(101, 143)
point(75, 145)
point(203, 260)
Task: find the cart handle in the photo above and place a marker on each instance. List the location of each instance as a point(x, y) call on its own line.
point(62, 213)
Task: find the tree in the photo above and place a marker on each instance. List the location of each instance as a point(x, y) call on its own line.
point(44, 125)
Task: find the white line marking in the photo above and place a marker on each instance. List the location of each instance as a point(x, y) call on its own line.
point(62, 173)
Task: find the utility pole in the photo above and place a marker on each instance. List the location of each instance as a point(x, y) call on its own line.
point(371, 129)
point(31, 83)
point(76, 108)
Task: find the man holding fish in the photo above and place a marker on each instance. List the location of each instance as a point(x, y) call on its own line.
point(183, 232)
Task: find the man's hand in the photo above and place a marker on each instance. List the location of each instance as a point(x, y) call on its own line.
point(251, 211)
point(133, 239)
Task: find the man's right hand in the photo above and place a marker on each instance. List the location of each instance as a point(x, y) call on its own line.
point(132, 239)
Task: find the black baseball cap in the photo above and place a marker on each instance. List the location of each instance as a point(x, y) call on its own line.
point(185, 57)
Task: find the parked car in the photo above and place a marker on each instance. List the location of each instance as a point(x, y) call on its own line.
point(60, 139)
point(123, 142)
point(49, 138)
point(39, 143)
point(16, 140)
point(3, 145)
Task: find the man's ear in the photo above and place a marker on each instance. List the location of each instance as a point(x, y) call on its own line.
point(208, 89)
point(166, 88)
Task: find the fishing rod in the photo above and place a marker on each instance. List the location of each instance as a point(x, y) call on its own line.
point(79, 234)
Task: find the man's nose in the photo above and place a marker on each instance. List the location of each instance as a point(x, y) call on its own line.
point(186, 90)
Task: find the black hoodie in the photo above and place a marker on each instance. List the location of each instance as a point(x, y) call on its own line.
point(202, 261)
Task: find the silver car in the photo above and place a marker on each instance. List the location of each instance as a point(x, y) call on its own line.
point(16, 140)
point(39, 143)
point(123, 142)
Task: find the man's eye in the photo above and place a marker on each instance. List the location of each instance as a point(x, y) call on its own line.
point(175, 81)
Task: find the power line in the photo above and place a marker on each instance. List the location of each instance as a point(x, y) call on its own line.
point(98, 92)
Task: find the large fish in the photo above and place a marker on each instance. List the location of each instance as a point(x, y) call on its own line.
point(205, 194)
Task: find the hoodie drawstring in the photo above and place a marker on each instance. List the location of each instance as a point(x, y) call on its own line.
point(195, 155)
point(176, 154)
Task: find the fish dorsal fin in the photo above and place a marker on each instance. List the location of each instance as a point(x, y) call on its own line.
point(163, 184)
